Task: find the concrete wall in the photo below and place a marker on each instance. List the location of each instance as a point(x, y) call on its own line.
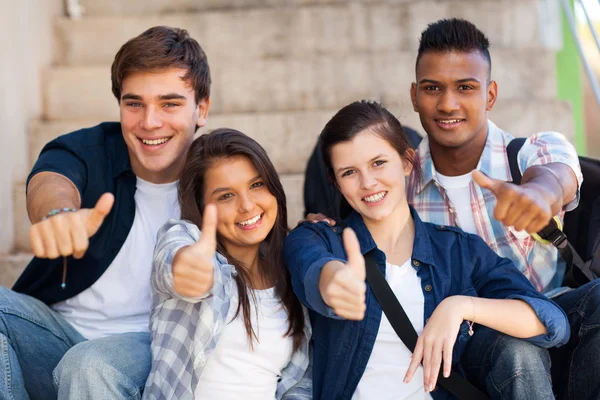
point(26, 40)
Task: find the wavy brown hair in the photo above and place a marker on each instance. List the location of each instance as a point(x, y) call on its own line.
point(222, 144)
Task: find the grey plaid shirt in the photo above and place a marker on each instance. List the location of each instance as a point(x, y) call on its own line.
point(185, 331)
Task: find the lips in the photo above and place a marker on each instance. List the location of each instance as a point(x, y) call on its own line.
point(155, 142)
point(250, 222)
point(449, 123)
point(375, 198)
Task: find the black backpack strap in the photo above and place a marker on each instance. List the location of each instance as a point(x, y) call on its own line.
point(512, 151)
point(551, 232)
point(455, 384)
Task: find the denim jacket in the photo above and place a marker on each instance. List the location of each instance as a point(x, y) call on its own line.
point(185, 331)
point(448, 262)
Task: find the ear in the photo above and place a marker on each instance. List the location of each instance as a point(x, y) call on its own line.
point(406, 161)
point(413, 96)
point(492, 95)
point(203, 106)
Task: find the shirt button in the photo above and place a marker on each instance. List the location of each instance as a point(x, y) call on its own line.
point(416, 263)
point(336, 230)
point(428, 288)
point(442, 226)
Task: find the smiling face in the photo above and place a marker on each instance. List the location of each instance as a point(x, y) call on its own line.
point(452, 96)
point(371, 175)
point(246, 209)
point(159, 117)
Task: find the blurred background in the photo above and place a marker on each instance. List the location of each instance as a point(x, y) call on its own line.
point(281, 69)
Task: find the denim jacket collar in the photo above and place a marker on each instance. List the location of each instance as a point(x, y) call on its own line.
point(422, 250)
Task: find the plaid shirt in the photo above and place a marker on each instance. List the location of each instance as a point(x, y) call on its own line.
point(185, 331)
point(539, 262)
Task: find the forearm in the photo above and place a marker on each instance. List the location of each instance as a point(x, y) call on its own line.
point(557, 179)
point(512, 317)
point(47, 191)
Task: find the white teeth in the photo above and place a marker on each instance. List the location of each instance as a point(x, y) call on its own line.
point(250, 221)
point(375, 198)
point(155, 142)
point(449, 121)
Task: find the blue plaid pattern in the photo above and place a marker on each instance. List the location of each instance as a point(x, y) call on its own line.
point(538, 262)
point(185, 331)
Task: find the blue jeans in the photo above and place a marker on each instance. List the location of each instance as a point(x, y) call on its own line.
point(510, 368)
point(506, 367)
point(43, 357)
point(575, 366)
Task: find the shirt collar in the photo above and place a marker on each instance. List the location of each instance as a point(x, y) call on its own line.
point(422, 242)
point(494, 153)
point(117, 148)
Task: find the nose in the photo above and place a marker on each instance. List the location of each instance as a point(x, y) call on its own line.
point(246, 203)
point(448, 102)
point(367, 180)
point(151, 119)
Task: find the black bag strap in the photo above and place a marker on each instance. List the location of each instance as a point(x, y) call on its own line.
point(455, 384)
point(551, 232)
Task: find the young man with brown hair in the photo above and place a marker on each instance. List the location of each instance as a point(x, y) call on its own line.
point(75, 324)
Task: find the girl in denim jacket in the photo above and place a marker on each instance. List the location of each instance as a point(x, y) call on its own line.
point(450, 283)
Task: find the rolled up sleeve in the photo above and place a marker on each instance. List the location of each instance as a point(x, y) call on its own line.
point(495, 277)
point(552, 317)
point(551, 147)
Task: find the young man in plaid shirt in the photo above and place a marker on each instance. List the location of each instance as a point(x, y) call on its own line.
point(465, 181)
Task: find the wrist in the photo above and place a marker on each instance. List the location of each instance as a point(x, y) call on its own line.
point(463, 306)
point(57, 211)
point(327, 274)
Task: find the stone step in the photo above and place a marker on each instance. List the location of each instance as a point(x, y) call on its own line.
point(292, 184)
point(289, 137)
point(277, 28)
point(313, 83)
point(11, 266)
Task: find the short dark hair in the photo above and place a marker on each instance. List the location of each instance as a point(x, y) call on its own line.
point(454, 34)
point(223, 144)
point(160, 48)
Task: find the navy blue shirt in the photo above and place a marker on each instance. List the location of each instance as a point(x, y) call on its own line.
point(448, 262)
point(96, 160)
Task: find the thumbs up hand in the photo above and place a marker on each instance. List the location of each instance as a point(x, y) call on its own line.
point(342, 286)
point(525, 207)
point(193, 270)
point(68, 233)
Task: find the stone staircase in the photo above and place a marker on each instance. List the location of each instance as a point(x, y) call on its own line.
point(282, 68)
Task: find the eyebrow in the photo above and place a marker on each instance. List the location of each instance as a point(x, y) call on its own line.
point(464, 80)
point(168, 96)
point(226, 189)
point(370, 161)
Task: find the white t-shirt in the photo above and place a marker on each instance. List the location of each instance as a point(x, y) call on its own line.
point(119, 301)
point(234, 371)
point(458, 191)
point(383, 378)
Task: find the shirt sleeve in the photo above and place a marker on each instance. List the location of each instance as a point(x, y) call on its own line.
point(551, 147)
point(174, 235)
point(495, 277)
point(305, 253)
point(56, 157)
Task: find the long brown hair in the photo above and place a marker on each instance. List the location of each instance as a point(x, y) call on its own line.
point(221, 144)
